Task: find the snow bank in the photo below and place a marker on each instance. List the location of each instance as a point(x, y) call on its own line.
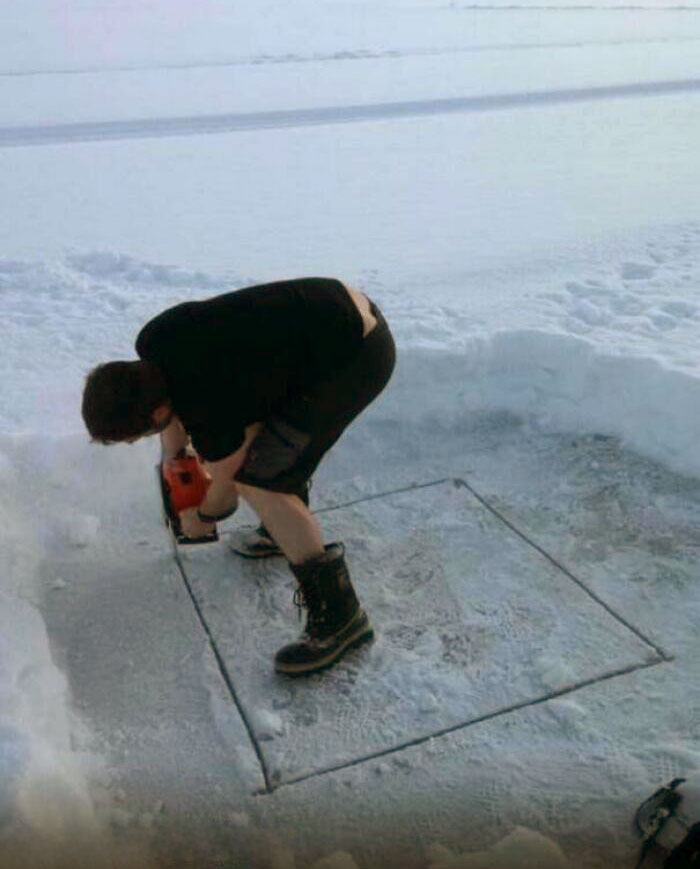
point(562, 381)
point(522, 849)
point(48, 815)
point(618, 360)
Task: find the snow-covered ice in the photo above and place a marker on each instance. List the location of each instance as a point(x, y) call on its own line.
point(516, 185)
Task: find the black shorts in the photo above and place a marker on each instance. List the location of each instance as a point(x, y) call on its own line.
point(295, 438)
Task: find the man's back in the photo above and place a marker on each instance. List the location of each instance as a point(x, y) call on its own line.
point(229, 360)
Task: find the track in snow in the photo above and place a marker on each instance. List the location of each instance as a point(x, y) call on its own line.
point(145, 128)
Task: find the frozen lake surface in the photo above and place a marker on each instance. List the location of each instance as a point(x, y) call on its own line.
point(516, 186)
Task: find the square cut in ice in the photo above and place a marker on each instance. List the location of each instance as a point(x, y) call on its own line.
point(471, 621)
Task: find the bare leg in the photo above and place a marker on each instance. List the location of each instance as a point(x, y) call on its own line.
point(173, 438)
point(289, 521)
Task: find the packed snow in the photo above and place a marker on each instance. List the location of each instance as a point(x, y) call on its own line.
point(516, 186)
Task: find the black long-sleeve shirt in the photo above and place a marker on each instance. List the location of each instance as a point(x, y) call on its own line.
point(233, 359)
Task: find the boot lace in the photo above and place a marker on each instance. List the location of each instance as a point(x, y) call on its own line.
point(307, 599)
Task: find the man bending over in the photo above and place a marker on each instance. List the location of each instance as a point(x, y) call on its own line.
point(262, 382)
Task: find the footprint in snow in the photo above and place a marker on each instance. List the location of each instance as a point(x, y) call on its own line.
point(662, 321)
point(627, 305)
point(637, 271)
point(588, 313)
point(587, 288)
point(679, 309)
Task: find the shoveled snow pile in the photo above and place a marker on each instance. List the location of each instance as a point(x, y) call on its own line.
point(49, 814)
point(522, 849)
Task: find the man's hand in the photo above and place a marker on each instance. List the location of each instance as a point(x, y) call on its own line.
point(192, 525)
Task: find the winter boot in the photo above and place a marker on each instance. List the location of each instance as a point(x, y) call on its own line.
point(254, 543)
point(335, 620)
point(257, 542)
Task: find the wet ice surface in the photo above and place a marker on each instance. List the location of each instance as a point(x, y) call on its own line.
point(626, 526)
point(577, 763)
point(491, 690)
point(472, 621)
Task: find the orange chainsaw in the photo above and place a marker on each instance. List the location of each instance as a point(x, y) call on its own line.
point(183, 484)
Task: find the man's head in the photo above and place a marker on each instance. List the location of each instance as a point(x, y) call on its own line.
point(123, 401)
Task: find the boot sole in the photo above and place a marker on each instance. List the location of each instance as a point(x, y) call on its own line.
point(364, 635)
point(259, 548)
point(257, 553)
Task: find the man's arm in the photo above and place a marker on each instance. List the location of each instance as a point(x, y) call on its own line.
point(222, 494)
point(173, 438)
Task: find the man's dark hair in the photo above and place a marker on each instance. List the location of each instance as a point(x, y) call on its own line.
point(119, 399)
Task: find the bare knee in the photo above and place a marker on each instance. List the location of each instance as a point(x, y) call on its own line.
point(255, 495)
